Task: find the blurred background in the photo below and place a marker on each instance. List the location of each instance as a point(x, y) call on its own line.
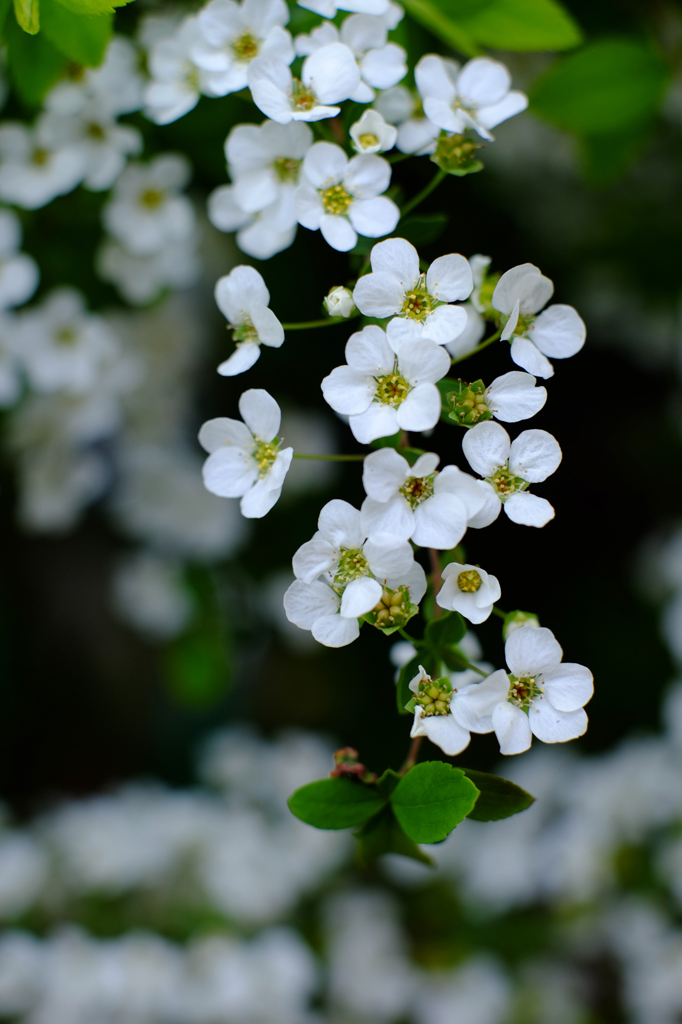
point(157, 709)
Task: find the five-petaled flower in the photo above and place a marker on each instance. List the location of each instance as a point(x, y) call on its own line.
point(242, 296)
point(469, 590)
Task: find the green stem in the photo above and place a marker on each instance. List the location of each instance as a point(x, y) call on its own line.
point(479, 348)
point(406, 636)
point(397, 157)
point(328, 321)
point(467, 664)
point(331, 458)
point(500, 614)
point(421, 196)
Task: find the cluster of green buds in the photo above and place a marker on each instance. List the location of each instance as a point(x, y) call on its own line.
point(394, 609)
point(468, 405)
point(433, 696)
point(456, 154)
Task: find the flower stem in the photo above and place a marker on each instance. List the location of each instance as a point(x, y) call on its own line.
point(327, 321)
point(436, 580)
point(331, 458)
point(421, 196)
point(500, 614)
point(397, 157)
point(479, 348)
point(406, 636)
point(412, 754)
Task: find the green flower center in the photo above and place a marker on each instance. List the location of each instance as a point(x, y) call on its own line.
point(417, 489)
point(393, 610)
point(418, 304)
point(524, 325)
point(336, 200)
point(469, 405)
point(455, 153)
point(469, 581)
point(151, 198)
point(505, 483)
point(40, 157)
point(66, 336)
point(368, 140)
point(265, 453)
point(245, 332)
point(434, 696)
point(246, 47)
point(392, 388)
point(352, 565)
point(95, 131)
point(523, 690)
point(302, 97)
point(286, 168)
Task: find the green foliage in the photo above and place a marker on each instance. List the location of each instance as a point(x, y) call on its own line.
point(498, 797)
point(383, 834)
point(424, 228)
point(92, 7)
point(81, 38)
point(445, 631)
point(27, 13)
point(33, 63)
point(336, 803)
point(432, 799)
point(197, 665)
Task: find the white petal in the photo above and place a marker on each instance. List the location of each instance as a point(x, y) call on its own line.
point(471, 335)
point(532, 650)
point(379, 294)
point(223, 211)
point(476, 702)
point(534, 455)
point(242, 359)
point(339, 524)
point(313, 558)
point(309, 207)
point(559, 332)
point(270, 82)
point(229, 473)
point(569, 686)
point(511, 728)
point(449, 278)
point(260, 412)
point(269, 329)
point(368, 351)
point(359, 597)
point(383, 472)
point(552, 726)
point(445, 324)
point(432, 78)
point(401, 330)
point(526, 284)
point(377, 421)
point(446, 732)
point(384, 67)
point(325, 164)
point(221, 431)
point(524, 353)
point(471, 492)
point(421, 408)
point(486, 446)
point(425, 465)
point(348, 391)
point(393, 517)
point(513, 397)
point(375, 217)
point(387, 556)
point(332, 73)
point(256, 190)
point(335, 630)
point(440, 113)
point(484, 81)
point(512, 104)
point(422, 362)
point(338, 232)
point(528, 510)
point(397, 257)
point(512, 321)
point(439, 522)
point(304, 603)
point(368, 175)
point(489, 512)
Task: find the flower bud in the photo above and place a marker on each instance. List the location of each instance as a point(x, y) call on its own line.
point(339, 302)
point(514, 620)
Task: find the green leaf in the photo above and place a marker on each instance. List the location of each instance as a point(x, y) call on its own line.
point(382, 834)
point(424, 228)
point(447, 386)
point(335, 803)
point(521, 25)
point(437, 16)
point(499, 798)
point(81, 38)
point(432, 799)
point(93, 6)
point(33, 63)
point(446, 630)
point(27, 13)
point(610, 86)
point(388, 781)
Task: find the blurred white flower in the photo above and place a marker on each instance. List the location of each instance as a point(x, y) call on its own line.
point(31, 174)
point(371, 134)
point(261, 234)
point(115, 86)
point(147, 211)
point(416, 134)
point(93, 132)
point(19, 273)
point(148, 593)
point(141, 279)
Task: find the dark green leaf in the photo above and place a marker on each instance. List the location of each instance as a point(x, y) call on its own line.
point(34, 64)
point(424, 228)
point(382, 834)
point(521, 25)
point(388, 781)
point(446, 630)
point(438, 17)
point(81, 38)
point(431, 799)
point(608, 87)
point(335, 803)
point(499, 798)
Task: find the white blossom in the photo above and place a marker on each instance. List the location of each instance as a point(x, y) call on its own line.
point(141, 279)
point(476, 96)
point(436, 713)
point(510, 398)
point(417, 502)
point(265, 164)
point(403, 108)
point(261, 234)
point(115, 86)
point(245, 459)
point(343, 197)
point(385, 387)
point(475, 327)
point(149, 594)
point(469, 590)
point(234, 34)
point(329, 76)
point(93, 132)
point(146, 212)
point(371, 134)
point(244, 300)
point(539, 695)
point(339, 302)
point(557, 332)
point(10, 379)
point(18, 272)
point(420, 302)
point(328, 8)
point(382, 64)
point(31, 174)
point(56, 482)
point(508, 468)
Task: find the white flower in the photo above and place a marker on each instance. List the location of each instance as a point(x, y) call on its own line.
point(477, 96)
point(328, 8)
point(116, 85)
point(416, 134)
point(55, 484)
point(245, 460)
point(140, 279)
point(234, 34)
point(339, 301)
point(357, 573)
point(31, 175)
point(343, 197)
point(475, 328)
point(63, 346)
point(329, 76)
point(148, 593)
point(397, 286)
point(242, 296)
point(93, 132)
point(508, 468)
point(557, 332)
point(265, 164)
point(469, 590)
point(384, 388)
point(10, 378)
point(261, 234)
point(371, 134)
point(18, 272)
point(539, 696)
point(381, 64)
point(146, 213)
point(436, 714)
point(416, 502)
point(510, 398)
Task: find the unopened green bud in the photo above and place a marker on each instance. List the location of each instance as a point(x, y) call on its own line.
point(456, 154)
point(468, 405)
point(514, 620)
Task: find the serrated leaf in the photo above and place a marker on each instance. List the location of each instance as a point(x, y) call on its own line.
point(446, 630)
point(33, 63)
point(81, 38)
point(336, 803)
point(93, 6)
point(431, 800)
point(521, 25)
point(499, 798)
point(608, 87)
point(424, 228)
point(382, 834)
